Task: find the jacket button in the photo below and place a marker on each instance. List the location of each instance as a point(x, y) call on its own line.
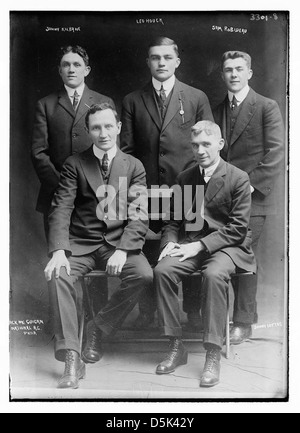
point(162, 170)
point(162, 154)
point(75, 135)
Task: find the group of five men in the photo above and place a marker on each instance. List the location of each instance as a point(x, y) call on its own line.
point(168, 137)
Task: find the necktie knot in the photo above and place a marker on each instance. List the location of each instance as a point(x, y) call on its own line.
point(234, 103)
point(105, 163)
point(75, 100)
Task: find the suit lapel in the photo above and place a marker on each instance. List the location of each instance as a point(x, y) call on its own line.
point(91, 169)
point(216, 182)
point(174, 105)
point(119, 172)
point(150, 104)
point(223, 123)
point(64, 101)
point(85, 103)
point(247, 111)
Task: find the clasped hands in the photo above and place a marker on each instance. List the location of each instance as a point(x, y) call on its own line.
point(59, 260)
point(185, 251)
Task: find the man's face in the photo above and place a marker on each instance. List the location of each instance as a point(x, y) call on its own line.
point(206, 149)
point(73, 70)
point(236, 74)
point(104, 129)
point(163, 62)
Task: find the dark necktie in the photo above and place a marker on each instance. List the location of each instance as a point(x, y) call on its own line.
point(75, 100)
point(163, 98)
point(234, 103)
point(105, 164)
point(205, 183)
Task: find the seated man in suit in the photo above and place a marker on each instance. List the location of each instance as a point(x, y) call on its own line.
point(253, 128)
point(217, 245)
point(156, 129)
point(99, 217)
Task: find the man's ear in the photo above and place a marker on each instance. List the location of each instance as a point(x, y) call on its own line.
point(221, 144)
point(178, 62)
point(148, 62)
point(250, 74)
point(86, 130)
point(119, 127)
point(87, 71)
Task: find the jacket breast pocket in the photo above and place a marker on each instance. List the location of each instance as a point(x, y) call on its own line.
point(186, 124)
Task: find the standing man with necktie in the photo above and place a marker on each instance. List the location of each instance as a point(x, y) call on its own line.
point(156, 129)
point(254, 132)
point(59, 128)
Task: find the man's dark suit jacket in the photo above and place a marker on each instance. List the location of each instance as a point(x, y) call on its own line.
point(165, 150)
point(226, 212)
point(257, 147)
point(59, 133)
point(74, 225)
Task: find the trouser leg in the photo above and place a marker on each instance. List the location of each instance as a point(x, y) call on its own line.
point(245, 287)
point(66, 305)
point(216, 272)
point(137, 277)
point(168, 274)
point(191, 296)
point(147, 301)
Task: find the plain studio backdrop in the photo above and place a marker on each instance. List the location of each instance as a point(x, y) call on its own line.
point(117, 44)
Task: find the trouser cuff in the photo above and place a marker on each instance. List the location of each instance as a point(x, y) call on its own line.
point(170, 332)
point(213, 339)
point(61, 346)
point(245, 318)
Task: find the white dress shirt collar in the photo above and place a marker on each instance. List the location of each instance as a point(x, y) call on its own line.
point(79, 90)
point(240, 96)
point(167, 85)
point(209, 172)
point(100, 153)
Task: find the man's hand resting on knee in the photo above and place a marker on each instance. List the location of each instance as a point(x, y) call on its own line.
point(116, 263)
point(58, 261)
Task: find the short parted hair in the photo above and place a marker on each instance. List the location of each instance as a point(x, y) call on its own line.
point(73, 49)
point(237, 55)
point(210, 128)
point(100, 107)
point(163, 40)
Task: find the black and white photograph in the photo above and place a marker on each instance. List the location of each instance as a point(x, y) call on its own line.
point(149, 156)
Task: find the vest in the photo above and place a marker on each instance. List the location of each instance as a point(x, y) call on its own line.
point(231, 119)
point(161, 105)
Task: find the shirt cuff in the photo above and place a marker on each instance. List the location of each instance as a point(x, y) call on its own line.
point(252, 189)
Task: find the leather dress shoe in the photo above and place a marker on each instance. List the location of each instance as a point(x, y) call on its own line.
point(211, 372)
point(144, 320)
point(194, 323)
point(176, 357)
point(240, 333)
point(92, 352)
point(74, 371)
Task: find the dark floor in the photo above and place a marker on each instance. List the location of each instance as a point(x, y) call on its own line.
point(256, 369)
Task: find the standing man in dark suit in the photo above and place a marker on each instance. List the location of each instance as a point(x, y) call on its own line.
point(156, 129)
point(254, 132)
point(59, 129)
point(99, 217)
point(218, 245)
